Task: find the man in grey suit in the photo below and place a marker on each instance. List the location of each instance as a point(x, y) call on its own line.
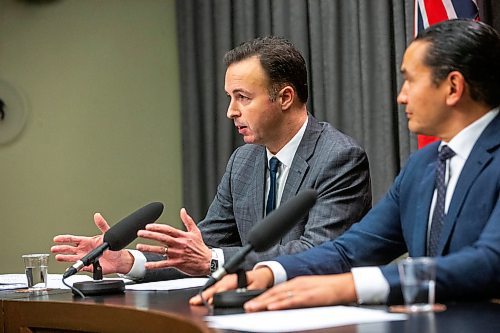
point(266, 82)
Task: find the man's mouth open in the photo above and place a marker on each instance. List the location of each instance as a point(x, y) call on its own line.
point(241, 129)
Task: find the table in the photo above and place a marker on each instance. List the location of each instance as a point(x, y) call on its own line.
point(169, 311)
point(133, 311)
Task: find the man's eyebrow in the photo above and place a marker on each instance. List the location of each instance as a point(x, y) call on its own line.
point(239, 90)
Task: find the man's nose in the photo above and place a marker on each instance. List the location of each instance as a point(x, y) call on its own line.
point(232, 111)
point(402, 96)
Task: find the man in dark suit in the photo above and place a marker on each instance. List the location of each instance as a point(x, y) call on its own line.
point(266, 82)
point(444, 203)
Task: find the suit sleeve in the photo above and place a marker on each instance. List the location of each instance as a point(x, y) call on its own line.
point(219, 228)
point(375, 240)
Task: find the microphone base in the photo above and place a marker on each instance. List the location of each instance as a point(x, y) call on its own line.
point(100, 287)
point(235, 298)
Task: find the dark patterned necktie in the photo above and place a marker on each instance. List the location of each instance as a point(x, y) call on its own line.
point(438, 215)
point(274, 164)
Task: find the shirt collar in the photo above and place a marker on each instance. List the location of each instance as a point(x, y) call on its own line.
point(287, 153)
point(464, 141)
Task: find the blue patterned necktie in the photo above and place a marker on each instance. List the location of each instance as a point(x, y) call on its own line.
point(274, 164)
point(438, 215)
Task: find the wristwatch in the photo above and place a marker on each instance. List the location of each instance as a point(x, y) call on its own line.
point(214, 262)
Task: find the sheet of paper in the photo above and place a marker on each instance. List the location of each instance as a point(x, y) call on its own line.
point(169, 285)
point(54, 281)
point(300, 319)
point(6, 279)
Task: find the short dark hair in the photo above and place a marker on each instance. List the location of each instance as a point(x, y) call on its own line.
point(281, 61)
point(469, 47)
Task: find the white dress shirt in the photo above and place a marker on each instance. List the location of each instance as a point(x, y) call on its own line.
point(285, 156)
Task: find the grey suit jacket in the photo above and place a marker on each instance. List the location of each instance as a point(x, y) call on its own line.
point(326, 160)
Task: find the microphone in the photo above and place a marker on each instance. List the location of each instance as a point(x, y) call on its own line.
point(120, 235)
point(268, 231)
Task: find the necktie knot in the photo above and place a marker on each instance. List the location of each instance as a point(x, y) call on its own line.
point(274, 164)
point(445, 153)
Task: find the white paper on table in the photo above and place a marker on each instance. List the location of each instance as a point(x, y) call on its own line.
point(54, 281)
point(13, 281)
point(300, 319)
point(168, 285)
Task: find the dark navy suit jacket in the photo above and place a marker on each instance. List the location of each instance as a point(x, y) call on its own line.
point(468, 264)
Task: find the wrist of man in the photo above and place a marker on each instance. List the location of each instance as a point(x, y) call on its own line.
point(278, 271)
point(216, 260)
point(264, 276)
point(126, 262)
point(347, 292)
point(136, 270)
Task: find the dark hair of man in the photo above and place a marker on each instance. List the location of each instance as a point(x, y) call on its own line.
point(469, 47)
point(281, 61)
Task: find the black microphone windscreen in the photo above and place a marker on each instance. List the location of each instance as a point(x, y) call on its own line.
point(269, 230)
point(125, 231)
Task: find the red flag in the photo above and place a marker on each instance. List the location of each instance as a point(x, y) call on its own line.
point(429, 12)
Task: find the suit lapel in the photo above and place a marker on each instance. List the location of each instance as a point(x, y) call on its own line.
point(259, 179)
point(425, 192)
point(300, 164)
point(477, 160)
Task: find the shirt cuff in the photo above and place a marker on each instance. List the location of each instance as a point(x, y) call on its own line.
point(279, 272)
point(370, 284)
point(138, 270)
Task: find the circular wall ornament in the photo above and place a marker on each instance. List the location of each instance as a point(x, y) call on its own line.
point(13, 112)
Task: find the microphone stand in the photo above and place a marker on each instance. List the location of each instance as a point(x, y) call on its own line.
point(99, 286)
point(97, 270)
point(236, 298)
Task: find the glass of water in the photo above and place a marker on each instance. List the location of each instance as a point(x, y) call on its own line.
point(35, 266)
point(418, 279)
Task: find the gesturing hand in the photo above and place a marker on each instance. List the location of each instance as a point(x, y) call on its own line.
point(184, 250)
point(72, 248)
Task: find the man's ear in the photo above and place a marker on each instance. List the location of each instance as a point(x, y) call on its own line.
point(456, 88)
point(286, 97)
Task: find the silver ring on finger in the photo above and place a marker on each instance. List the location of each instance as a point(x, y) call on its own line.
point(289, 294)
point(165, 251)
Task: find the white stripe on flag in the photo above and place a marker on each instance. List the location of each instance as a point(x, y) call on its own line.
point(450, 10)
point(423, 12)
